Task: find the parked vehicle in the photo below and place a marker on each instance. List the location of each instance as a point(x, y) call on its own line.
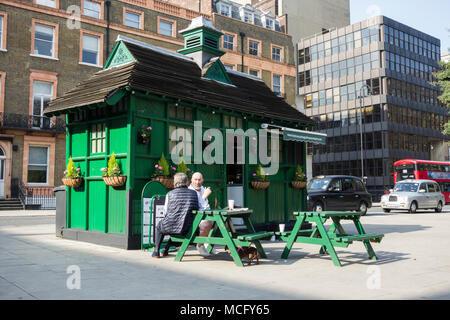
point(413, 194)
point(438, 171)
point(338, 193)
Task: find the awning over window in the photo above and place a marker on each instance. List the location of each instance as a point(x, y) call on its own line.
point(290, 134)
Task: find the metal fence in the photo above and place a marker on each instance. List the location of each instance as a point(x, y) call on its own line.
point(34, 197)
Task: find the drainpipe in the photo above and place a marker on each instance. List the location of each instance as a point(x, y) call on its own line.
point(108, 5)
point(242, 50)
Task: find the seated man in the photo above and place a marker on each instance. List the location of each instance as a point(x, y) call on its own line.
point(177, 213)
point(203, 194)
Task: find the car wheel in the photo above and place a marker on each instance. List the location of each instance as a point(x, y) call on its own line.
point(439, 207)
point(413, 207)
point(318, 207)
point(387, 210)
point(363, 208)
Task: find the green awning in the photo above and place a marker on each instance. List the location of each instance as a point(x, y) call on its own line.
point(304, 136)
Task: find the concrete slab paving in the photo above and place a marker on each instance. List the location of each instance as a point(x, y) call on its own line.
point(413, 263)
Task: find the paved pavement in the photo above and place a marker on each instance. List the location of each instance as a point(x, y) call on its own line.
point(414, 263)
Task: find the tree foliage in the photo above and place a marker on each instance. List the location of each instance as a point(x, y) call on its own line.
point(443, 81)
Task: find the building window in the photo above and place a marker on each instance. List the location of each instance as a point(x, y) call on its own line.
point(254, 72)
point(228, 67)
point(276, 54)
point(37, 165)
point(90, 49)
point(225, 10)
point(92, 9)
point(248, 17)
point(42, 93)
point(133, 19)
point(2, 31)
point(228, 42)
point(98, 138)
point(253, 47)
point(166, 28)
point(48, 3)
point(270, 24)
point(44, 40)
point(2, 90)
point(276, 84)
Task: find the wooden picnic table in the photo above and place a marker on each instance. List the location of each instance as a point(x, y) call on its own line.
point(223, 233)
point(334, 237)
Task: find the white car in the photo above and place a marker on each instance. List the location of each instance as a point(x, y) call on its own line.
point(414, 194)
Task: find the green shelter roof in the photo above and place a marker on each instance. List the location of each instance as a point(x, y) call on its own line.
point(155, 70)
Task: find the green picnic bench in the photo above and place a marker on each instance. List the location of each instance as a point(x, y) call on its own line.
point(335, 237)
point(223, 233)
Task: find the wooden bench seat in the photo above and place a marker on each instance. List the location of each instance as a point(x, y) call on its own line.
point(255, 236)
point(288, 233)
point(356, 237)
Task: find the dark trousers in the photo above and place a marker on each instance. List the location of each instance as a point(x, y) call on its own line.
point(159, 236)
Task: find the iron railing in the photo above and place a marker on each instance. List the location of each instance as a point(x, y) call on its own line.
point(23, 121)
point(37, 197)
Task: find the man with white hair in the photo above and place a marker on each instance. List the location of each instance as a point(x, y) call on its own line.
point(203, 194)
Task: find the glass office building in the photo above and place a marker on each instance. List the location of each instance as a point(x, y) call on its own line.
point(401, 115)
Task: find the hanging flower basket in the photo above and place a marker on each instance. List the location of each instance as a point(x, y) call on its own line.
point(115, 181)
point(72, 182)
point(166, 181)
point(143, 140)
point(298, 184)
point(260, 184)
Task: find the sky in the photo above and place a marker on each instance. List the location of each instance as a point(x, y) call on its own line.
point(431, 17)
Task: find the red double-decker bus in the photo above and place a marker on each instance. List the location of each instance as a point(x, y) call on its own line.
point(438, 171)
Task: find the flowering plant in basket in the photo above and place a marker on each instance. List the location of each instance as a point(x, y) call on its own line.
point(72, 175)
point(299, 174)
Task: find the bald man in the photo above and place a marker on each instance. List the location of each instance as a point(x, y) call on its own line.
point(203, 194)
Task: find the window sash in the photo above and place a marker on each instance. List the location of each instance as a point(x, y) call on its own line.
point(132, 19)
point(276, 54)
point(166, 28)
point(253, 48)
point(228, 42)
point(90, 51)
point(37, 165)
point(44, 40)
point(1, 32)
point(48, 3)
point(91, 9)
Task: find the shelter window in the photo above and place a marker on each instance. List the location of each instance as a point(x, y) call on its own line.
point(98, 138)
point(180, 112)
point(232, 122)
point(180, 141)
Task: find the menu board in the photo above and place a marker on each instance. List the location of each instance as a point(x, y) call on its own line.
point(152, 212)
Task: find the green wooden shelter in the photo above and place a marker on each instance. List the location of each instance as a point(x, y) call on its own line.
point(142, 85)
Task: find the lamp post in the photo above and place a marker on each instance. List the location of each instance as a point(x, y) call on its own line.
point(369, 91)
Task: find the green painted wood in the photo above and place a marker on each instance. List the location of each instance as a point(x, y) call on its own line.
point(189, 237)
point(217, 72)
point(119, 55)
point(255, 236)
point(97, 209)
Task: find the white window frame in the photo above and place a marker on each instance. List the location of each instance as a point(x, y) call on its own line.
point(48, 165)
point(257, 48)
point(225, 8)
point(228, 67)
point(97, 64)
point(47, 3)
point(254, 70)
point(279, 93)
point(98, 138)
point(2, 31)
point(228, 42)
point(127, 12)
point(41, 96)
point(161, 21)
point(90, 10)
point(53, 41)
point(277, 54)
point(271, 22)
